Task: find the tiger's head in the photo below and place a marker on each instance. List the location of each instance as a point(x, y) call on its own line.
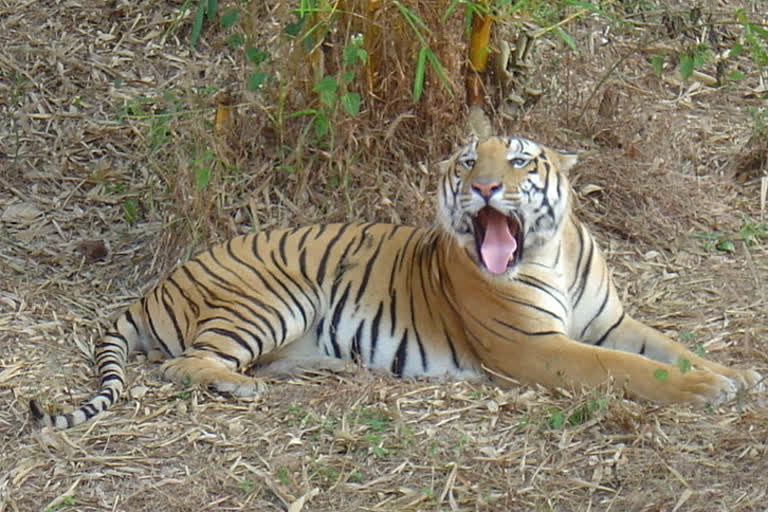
point(502, 197)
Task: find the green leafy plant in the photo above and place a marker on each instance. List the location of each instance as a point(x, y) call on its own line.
point(245, 486)
point(377, 420)
point(694, 58)
point(202, 168)
point(186, 392)
point(375, 444)
point(66, 501)
point(258, 77)
point(576, 416)
point(749, 233)
point(298, 417)
point(688, 337)
point(756, 37)
point(715, 241)
point(333, 91)
point(282, 475)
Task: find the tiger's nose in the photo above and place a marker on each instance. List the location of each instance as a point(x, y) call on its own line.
point(486, 190)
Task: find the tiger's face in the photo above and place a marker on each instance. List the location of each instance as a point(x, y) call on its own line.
point(502, 197)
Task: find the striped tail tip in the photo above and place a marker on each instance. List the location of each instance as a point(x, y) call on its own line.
point(38, 415)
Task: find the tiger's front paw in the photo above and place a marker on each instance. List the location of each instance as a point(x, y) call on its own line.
point(706, 388)
point(749, 380)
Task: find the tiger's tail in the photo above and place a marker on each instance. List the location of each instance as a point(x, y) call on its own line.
point(111, 356)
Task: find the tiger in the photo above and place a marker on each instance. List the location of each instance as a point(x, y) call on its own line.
point(507, 283)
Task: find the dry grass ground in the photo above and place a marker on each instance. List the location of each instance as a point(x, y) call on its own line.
point(84, 150)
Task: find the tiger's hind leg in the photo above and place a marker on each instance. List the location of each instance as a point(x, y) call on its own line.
point(216, 359)
point(197, 367)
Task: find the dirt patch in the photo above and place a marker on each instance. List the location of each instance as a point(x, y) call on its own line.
point(110, 124)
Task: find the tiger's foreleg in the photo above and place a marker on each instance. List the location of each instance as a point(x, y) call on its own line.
point(655, 345)
point(556, 360)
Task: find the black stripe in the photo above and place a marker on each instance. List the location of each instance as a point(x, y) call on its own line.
point(602, 304)
point(547, 312)
point(232, 336)
point(393, 273)
point(206, 347)
point(354, 351)
point(319, 332)
point(238, 326)
point(293, 298)
point(418, 337)
point(398, 362)
point(581, 253)
point(191, 303)
point(367, 272)
point(304, 236)
point(363, 236)
point(169, 310)
point(303, 265)
point(129, 318)
point(449, 341)
point(393, 231)
point(320, 231)
point(226, 307)
point(256, 243)
point(152, 328)
point(108, 377)
point(237, 292)
point(375, 332)
point(327, 252)
point(281, 247)
point(610, 330)
point(393, 314)
point(246, 286)
point(541, 286)
point(585, 275)
point(408, 242)
point(336, 319)
point(527, 333)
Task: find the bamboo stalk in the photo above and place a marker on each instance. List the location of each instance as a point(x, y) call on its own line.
point(371, 42)
point(479, 41)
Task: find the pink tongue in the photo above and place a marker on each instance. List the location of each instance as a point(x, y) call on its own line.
point(499, 245)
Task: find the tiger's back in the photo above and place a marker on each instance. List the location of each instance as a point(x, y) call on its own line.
point(369, 293)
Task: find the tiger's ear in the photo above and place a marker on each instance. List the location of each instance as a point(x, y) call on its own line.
point(565, 160)
point(446, 165)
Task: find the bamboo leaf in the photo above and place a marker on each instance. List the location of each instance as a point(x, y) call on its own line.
point(566, 38)
point(418, 77)
point(438, 68)
point(413, 21)
point(657, 62)
point(202, 177)
point(212, 5)
point(685, 66)
point(197, 24)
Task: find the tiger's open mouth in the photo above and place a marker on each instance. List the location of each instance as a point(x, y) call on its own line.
point(498, 239)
